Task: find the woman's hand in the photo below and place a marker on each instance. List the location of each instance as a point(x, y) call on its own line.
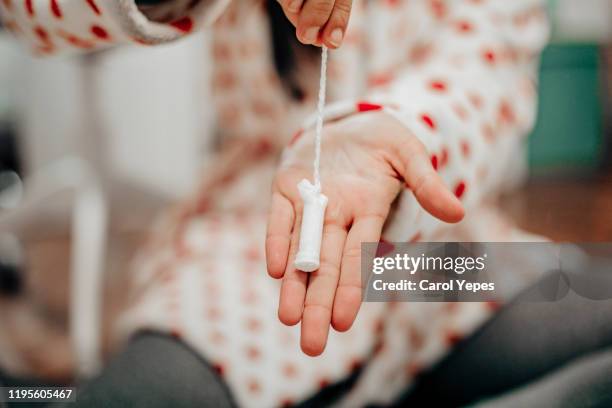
point(319, 21)
point(365, 158)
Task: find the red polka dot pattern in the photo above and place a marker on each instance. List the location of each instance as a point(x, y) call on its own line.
point(185, 24)
point(464, 26)
point(94, 7)
point(416, 237)
point(429, 121)
point(438, 8)
point(100, 32)
point(55, 9)
point(440, 86)
point(452, 338)
point(41, 33)
point(465, 149)
point(450, 95)
point(384, 248)
point(380, 79)
point(460, 189)
point(75, 41)
point(296, 137)
point(367, 107)
point(444, 157)
point(29, 6)
point(489, 56)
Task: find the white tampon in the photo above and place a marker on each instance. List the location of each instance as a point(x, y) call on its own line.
point(311, 233)
point(307, 258)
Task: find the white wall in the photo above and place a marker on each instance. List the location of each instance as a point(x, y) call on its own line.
point(583, 20)
point(150, 105)
point(9, 53)
point(156, 102)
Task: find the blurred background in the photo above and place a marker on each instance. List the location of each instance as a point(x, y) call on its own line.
point(140, 153)
point(69, 161)
point(569, 194)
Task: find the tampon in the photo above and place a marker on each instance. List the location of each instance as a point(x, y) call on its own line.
point(311, 232)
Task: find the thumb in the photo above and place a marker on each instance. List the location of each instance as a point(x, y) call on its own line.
point(414, 165)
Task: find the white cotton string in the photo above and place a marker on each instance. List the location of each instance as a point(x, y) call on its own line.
point(319, 125)
point(308, 257)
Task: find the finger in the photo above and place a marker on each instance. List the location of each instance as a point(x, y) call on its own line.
point(333, 34)
point(278, 235)
point(313, 17)
point(291, 8)
point(321, 291)
point(293, 288)
point(425, 183)
point(348, 295)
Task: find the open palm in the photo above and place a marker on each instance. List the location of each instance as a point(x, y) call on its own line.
point(365, 161)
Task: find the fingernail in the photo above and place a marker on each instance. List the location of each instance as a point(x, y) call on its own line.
point(294, 6)
point(335, 38)
point(310, 35)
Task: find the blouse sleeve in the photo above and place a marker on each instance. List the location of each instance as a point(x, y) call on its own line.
point(51, 27)
point(466, 88)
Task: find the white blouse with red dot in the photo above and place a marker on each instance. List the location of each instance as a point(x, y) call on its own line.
point(460, 74)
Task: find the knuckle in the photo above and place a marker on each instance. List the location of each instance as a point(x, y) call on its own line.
point(344, 6)
point(354, 286)
point(327, 271)
point(322, 6)
point(353, 252)
point(335, 216)
point(272, 237)
point(290, 278)
point(410, 146)
point(418, 184)
point(313, 306)
point(334, 223)
point(341, 14)
point(332, 232)
point(339, 20)
point(318, 12)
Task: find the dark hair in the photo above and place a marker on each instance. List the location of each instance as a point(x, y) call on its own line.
point(284, 46)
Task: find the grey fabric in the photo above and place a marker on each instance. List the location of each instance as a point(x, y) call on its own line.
point(525, 341)
point(585, 383)
point(155, 371)
point(530, 354)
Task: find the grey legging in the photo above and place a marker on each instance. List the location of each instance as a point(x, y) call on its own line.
point(529, 354)
point(525, 341)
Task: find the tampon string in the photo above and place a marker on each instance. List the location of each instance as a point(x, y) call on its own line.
point(315, 203)
point(319, 124)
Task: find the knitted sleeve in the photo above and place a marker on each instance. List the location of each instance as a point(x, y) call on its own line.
point(51, 27)
point(462, 77)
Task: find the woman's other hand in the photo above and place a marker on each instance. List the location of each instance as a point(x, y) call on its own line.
point(365, 160)
point(319, 22)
